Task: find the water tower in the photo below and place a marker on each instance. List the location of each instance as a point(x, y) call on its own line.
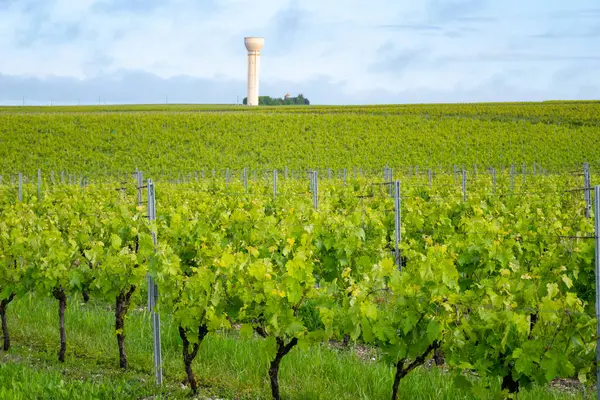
point(253, 45)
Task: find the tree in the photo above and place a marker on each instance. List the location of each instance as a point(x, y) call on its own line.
point(271, 101)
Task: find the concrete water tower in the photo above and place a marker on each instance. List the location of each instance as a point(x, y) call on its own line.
point(253, 45)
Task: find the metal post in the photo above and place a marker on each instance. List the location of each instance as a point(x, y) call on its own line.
point(430, 176)
point(329, 173)
point(475, 171)
point(150, 215)
point(274, 184)
point(416, 170)
point(315, 190)
point(494, 179)
point(345, 178)
point(524, 167)
point(62, 177)
point(391, 183)
point(397, 220)
point(227, 178)
point(153, 292)
point(39, 187)
point(246, 179)
point(587, 189)
point(464, 184)
point(20, 192)
point(150, 294)
point(597, 239)
point(512, 177)
point(140, 183)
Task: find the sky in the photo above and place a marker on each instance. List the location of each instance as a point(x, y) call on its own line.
point(332, 51)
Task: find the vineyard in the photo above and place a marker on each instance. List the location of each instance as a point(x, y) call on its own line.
point(281, 237)
point(556, 137)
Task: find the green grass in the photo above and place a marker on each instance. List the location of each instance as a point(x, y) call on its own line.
point(227, 367)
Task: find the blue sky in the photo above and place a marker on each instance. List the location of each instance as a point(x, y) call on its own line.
point(334, 52)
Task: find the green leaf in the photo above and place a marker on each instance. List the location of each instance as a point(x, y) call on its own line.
point(582, 374)
point(227, 259)
point(246, 331)
point(294, 328)
point(116, 242)
point(367, 331)
point(433, 330)
point(304, 344)
point(369, 310)
point(552, 290)
point(567, 281)
point(461, 382)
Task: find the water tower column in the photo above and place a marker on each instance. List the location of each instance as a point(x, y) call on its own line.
point(253, 71)
point(253, 45)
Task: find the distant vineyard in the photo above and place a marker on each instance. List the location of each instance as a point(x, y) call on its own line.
point(186, 139)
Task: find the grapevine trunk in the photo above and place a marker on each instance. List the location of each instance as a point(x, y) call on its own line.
point(123, 301)
point(510, 385)
point(3, 304)
point(438, 357)
point(188, 357)
point(346, 341)
point(282, 350)
point(402, 371)
point(61, 296)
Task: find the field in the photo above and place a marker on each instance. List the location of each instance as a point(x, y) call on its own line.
point(181, 140)
point(280, 268)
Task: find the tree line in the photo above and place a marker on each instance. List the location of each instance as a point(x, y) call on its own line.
point(287, 101)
